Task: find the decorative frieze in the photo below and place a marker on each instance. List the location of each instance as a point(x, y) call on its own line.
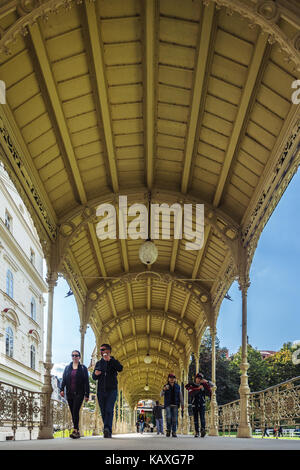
point(26, 180)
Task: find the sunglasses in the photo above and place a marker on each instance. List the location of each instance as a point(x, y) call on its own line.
point(75, 355)
point(104, 349)
point(172, 377)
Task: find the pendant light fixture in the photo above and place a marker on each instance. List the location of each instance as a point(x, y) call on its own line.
point(148, 252)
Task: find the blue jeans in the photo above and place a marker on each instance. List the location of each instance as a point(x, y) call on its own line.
point(199, 412)
point(107, 402)
point(142, 425)
point(159, 425)
point(172, 417)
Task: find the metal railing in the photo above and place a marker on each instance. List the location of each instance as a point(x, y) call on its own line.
point(278, 405)
point(21, 409)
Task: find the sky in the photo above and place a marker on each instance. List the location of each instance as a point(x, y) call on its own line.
point(273, 305)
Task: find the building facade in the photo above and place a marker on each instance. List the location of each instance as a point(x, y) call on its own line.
point(21, 293)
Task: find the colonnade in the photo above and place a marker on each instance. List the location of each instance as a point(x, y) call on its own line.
point(244, 429)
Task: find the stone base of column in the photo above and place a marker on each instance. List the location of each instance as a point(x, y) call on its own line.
point(244, 431)
point(213, 431)
point(214, 419)
point(244, 428)
point(46, 427)
point(46, 433)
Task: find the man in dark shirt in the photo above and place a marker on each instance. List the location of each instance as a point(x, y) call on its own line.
point(197, 391)
point(157, 413)
point(172, 400)
point(106, 371)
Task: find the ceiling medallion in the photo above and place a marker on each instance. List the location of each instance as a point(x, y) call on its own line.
point(268, 10)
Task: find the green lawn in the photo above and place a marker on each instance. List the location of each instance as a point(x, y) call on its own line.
point(67, 433)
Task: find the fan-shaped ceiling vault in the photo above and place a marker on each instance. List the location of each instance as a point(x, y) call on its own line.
point(189, 101)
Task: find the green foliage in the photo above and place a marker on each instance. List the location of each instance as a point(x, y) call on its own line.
point(261, 373)
point(281, 366)
point(258, 371)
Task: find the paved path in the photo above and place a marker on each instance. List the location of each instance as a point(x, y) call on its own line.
point(135, 441)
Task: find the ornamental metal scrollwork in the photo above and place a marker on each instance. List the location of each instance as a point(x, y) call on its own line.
point(25, 178)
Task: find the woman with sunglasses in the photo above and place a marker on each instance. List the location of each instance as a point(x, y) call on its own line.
point(106, 371)
point(76, 381)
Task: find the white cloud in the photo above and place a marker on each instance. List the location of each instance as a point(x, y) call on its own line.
point(58, 369)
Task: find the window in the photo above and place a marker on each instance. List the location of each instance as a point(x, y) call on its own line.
point(10, 284)
point(32, 357)
point(9, 342)
point(8, 221)
point(32, 257)
point(33, 309)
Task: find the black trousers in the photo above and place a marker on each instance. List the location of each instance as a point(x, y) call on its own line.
point(75, 402)
point(199, 411)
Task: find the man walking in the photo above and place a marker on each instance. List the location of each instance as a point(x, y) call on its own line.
point(172, 400)
point(106, 371)
point(157, 413)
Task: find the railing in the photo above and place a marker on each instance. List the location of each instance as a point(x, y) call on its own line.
point(22, 409)
point(275, 406)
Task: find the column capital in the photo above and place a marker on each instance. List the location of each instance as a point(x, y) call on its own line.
point(244, 284)
point(82, 329)
point(51, 279)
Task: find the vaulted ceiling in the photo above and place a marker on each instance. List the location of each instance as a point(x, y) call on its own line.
point(189, 100)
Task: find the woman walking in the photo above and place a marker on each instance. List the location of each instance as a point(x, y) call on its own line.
point(76, 381)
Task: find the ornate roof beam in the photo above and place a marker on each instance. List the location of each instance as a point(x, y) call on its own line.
point(40, 56)
point(258, 63)
point(149, 16)
point(199, 92)
point(98, 66)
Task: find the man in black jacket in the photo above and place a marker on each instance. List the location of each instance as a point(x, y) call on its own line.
point(106, 371)
point(197, 391)
point(157, 413)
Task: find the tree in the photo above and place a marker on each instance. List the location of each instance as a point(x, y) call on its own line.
point(258, 372)
point(280, 365)
point(227, 377)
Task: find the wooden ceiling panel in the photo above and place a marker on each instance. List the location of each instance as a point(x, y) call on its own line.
point(65, 45)
point(89, 149)
point(30, 110)
point(191, 10)
point(278, 80)
point(22, 91)
point(84, 104)
point(273, 102)
point(237, 26)
point(176, 56)
point(60, 24)
point(36, 128)
point(172, 112)
point(235, 49)
point(119, 8)
point(169, 28)
point(42, 143)
point(125, 53)
point(69, 68)
point(85, 136)
point(118, 30)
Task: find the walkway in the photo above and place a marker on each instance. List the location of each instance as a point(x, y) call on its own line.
point(128, 442)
